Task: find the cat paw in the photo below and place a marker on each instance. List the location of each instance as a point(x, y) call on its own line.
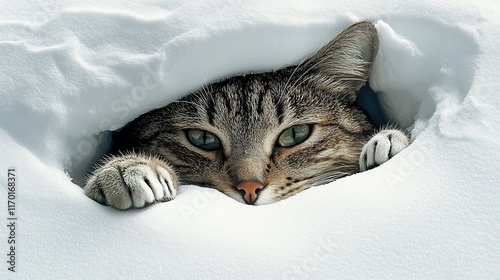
point(132, 181)
point(382, 147)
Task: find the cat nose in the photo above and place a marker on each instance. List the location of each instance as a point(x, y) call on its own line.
point(250, 189)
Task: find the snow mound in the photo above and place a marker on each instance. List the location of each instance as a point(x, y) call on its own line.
point(71, 72)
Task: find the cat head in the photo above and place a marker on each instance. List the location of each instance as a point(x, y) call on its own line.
point(260, 138)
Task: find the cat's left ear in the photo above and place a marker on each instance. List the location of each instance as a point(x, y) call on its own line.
point(343, 65)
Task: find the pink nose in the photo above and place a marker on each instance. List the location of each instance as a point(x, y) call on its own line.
point(250, 189)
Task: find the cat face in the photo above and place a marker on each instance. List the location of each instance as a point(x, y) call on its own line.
point(261, 138)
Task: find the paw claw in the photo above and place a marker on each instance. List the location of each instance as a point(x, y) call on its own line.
point(382, 147)
point(132, 181)
point(166, 182)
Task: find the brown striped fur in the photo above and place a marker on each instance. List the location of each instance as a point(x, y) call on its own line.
point(248, 113)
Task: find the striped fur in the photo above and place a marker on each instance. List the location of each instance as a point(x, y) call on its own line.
point(248, 113)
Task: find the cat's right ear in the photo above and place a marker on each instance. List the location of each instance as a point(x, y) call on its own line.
point(343, 65)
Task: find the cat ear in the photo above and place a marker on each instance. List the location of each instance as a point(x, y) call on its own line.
point(343, 65)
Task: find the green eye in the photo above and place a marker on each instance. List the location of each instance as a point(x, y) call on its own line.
point(203, 139)
point(294, 135)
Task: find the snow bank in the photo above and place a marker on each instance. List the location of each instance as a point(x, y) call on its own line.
point(72, 71)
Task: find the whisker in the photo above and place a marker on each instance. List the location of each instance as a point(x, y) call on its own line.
point(293, 86)
point(297, 67)
point(333, 174)
point(196, 105)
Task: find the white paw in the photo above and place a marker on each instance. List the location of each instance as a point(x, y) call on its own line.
point(382, 147)
point(132, 181)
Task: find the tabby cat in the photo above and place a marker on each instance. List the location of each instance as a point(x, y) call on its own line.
point(258, 138)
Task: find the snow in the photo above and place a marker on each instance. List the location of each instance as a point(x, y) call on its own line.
point(72, 70)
